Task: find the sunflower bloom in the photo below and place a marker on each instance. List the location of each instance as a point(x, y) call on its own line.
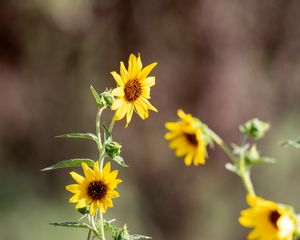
point(133, 89)
point(271, 221)
point(186, 138)
point(96, 189)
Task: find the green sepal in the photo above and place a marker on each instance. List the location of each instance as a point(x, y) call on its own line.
point(122, 233)
point(88, 136)
point(72, 224)
point(77, 162)
point(96, 95)
point(291, 143)
point(104, 99)
point(232, 168)
point(120, 161)
point(252, 157)
point(83, 210)
point(255, 128)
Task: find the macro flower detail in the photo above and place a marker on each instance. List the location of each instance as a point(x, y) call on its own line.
point(186, 137)
point(270, 220)
point(95, 189)
point(133, 89)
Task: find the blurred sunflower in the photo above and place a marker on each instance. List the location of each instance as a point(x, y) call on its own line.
point(133, 89)
point(186, 137)
point(95, 189)
point(270, 220)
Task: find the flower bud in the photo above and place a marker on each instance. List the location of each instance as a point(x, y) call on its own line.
point(106, 99)
point(255, 128)
point(113, 149)
point(252, 155)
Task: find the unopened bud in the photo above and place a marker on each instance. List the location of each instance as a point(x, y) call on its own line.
point(113, 149)
point(255, 128)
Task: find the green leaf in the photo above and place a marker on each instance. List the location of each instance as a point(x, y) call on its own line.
point(72, 224)
point(96, 95)
point(120, 161)
point(107, 134)
point(89, 136)
point(232, 168)
point(70, 163)
point(291, 143)
point(138, 236)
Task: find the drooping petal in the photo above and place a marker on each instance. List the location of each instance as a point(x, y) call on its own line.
point(129, 114)
point(121, 111)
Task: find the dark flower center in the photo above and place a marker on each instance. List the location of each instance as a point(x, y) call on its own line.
point(132, 90)
point(191, 138)
point(97, 190)
point(273, 217)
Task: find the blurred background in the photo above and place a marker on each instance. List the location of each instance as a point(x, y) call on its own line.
point(223, 61)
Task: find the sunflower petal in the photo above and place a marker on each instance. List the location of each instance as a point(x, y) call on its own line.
point(118, 79)
point(149, 82)
point(118, 92)
point(124, 73)
point(78, 178)
point(145, 72)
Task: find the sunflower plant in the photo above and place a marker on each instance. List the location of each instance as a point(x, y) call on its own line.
point(94, 190)
point(189, 137)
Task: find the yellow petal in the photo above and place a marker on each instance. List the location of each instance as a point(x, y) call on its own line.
point(118, 79)
point(129, 114)
point(117, 104)
point(143, 113)
point(96, 169)
point(78, 178)
point(139, 64)
point(124, 73)
point(181, 113)
point(106, 169)
point(87, 171)
point(188, 159)
point(73, 188)
point(93, 208)
point(145, 72)
point(148, 104)
point(118, 92)
point(132, 70)
point(149, 82)
point(82, 203)
point(120, 113)
point(75, 198)
point(113, 194)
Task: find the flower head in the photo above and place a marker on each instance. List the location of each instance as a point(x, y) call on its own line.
point(270, 220)
point(95, 189)
point(187, 138)
point(133, 89)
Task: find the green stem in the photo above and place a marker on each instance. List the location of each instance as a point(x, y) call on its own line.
point(243, 172)
point(101, 160)
point(111, 126)
point(245, 175)
point(90, 235)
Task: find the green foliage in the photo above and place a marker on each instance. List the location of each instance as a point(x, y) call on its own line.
point(104, 99)
point(88, 136)
point(122, 233)
point(291, 143)
point(255, 128)
point(77, 162)
point(72, 224)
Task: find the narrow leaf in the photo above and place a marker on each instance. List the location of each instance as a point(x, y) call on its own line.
point(95, 94)
point(137, 236)
point(72, 224)
point(120, 161)
point(70, 163)
point(89, 136)
point(291, 143)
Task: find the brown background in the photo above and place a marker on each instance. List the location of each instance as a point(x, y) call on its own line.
point(223, 61)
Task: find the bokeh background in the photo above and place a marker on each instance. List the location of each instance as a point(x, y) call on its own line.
point(223, 61)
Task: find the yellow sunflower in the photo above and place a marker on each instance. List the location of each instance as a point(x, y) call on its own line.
point(186, 138)
point(270, 220)
point(133, 89)
point(95, 189)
